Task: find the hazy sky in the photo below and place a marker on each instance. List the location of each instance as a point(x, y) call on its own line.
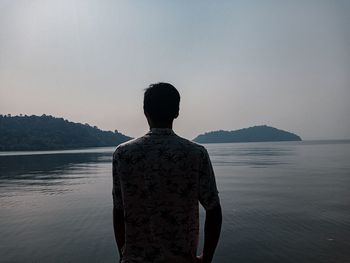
point(235, 63)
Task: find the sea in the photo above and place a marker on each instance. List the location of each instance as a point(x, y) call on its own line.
point(281, 201)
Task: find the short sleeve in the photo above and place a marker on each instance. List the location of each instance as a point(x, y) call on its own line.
point(116, 192)
point(208, 192)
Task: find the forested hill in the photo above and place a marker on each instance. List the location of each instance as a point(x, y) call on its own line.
point(260, 133)
point(50, 133)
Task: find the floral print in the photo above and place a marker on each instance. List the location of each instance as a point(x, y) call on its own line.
point(158, 180)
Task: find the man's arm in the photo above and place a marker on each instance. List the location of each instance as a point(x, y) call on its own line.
point(212, 229)
point(209, 198)
point(119, 229)
point(118, 208)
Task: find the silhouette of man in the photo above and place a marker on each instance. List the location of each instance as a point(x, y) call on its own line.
point(158, 181)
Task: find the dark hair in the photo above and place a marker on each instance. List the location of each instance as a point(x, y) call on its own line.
point(161, 101)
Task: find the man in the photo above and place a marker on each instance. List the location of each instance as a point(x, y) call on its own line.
point(158, 180)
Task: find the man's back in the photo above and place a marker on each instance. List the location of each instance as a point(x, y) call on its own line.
point(158, 181)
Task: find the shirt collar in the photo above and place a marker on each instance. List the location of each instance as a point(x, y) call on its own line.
point(160, 131)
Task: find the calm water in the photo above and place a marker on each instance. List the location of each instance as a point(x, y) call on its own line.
point(282, 202)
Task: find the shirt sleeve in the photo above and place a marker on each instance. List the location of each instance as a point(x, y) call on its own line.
point(208, 192)
point(116, 192)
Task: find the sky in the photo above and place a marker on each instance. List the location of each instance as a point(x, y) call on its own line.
point(236, 64)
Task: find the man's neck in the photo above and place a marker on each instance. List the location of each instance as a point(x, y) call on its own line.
point(161, 126)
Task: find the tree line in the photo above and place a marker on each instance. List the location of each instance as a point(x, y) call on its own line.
point(46, 132)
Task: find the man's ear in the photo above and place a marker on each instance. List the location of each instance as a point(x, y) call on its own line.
point(176, 115)
point(147, 117)
point(146, 114)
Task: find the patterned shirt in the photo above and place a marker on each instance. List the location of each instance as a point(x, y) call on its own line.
point(158, 180)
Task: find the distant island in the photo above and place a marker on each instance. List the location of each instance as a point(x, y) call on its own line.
point(50, 133)
point(262, 133)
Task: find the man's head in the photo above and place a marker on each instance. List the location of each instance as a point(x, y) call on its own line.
point(161, 104)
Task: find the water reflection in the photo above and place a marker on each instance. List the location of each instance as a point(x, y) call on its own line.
point(45, 171)
point(255, 155)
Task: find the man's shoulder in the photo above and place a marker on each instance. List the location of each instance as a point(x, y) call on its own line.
point(128, 146)
point(131, 143)
point(190, 144)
